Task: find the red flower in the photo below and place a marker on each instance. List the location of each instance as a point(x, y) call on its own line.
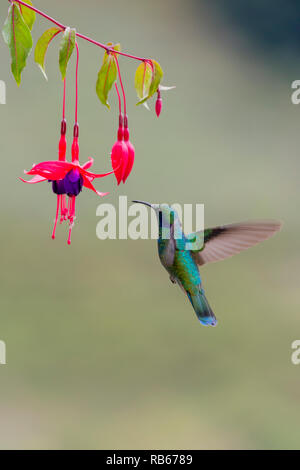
point(123, 152)
point(71, 173)
point(68, 179)
point(119, 153)
point(158, 104)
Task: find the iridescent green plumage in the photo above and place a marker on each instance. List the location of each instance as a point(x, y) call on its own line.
point(182, 255)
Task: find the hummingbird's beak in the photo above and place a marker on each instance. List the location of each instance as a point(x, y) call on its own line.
point(142, 202)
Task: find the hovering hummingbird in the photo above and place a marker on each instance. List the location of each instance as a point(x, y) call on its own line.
point(182, 255)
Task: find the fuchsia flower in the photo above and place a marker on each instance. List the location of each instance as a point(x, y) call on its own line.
point(123, 152)
point(119, 153)
point(131, 151)
point(57, 186)
point(158, 104)
point(68, 179)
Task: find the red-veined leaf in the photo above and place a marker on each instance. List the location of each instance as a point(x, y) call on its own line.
point(28, 14)
point(143, 80)
point(157, 75)
point(42, 47)
point(17, 36)
point(107, 75)
point(66, 48)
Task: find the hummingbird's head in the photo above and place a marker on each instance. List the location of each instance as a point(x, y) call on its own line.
point(165, 214)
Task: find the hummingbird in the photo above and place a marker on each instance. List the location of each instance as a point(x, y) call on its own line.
point(182, 255)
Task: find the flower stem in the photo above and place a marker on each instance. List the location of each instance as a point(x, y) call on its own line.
point(76, 91)
point(82, 36)
point(119, 98)
point(121, 83)
point(64, 101)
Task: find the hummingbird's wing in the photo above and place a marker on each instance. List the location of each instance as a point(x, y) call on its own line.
point(227, 240)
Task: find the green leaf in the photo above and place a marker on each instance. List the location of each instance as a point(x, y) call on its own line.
point(107, 75)
point(143, 80)
point(157, 75)
point(28, 15)
point(66, 48)
point(17, 36)
point(106, 78)
point(42, 47)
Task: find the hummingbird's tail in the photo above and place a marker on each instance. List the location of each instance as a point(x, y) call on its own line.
point(201, 306)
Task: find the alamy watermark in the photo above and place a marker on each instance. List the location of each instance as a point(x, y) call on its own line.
point(2, 92)
point(2, 353)
point(295, 96)
point(295, 357)
point(150, 221)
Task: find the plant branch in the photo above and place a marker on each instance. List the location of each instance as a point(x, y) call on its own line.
point(82, 36)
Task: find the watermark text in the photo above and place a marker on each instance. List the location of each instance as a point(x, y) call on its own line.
point(2, 353)
point(295, 357)
point(2, 92)
point(152, 221)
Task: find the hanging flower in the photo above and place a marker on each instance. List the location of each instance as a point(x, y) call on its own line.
point(57, 185)
point(119, 153)
point(131, 151)
point(158, 103)
point(68, 179)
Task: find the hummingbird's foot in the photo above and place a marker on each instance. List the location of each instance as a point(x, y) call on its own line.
point(173, 280)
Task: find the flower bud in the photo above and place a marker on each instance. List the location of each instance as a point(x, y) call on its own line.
point(158, 106)
point(119, 159)
point(119, 154)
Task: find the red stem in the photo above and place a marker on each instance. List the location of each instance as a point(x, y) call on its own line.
point(119, 98)
point(121, 83)
point(64, 100)
point(76, 92)
point(86, 38)
point(39, 13)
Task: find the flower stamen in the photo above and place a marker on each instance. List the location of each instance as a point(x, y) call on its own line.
point(56, 216)
point(71, 217)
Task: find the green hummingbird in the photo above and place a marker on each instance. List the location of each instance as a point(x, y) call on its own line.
point(182, 255)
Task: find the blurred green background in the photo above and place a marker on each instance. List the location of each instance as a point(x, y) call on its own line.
point(102, 351)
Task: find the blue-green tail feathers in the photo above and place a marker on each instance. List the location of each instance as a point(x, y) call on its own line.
point(202, 308)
